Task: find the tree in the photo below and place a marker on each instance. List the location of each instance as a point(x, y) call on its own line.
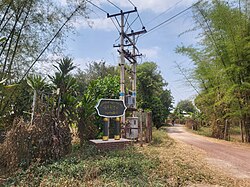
point(222, 64)
point(151, 92)
point(30, 28)
point(185, 106)
point(94, 71)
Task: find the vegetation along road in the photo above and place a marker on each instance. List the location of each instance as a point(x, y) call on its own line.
point(231, 157)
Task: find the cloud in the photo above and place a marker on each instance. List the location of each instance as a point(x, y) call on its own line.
point(151, 53)
point(156, 6)
point(96, 23)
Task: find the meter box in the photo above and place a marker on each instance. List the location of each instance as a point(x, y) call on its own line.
point(133, 128)
point(130, 101)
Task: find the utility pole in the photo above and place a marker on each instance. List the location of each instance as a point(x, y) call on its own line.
point(122, 58)
point(125, 54)
point(134, 62)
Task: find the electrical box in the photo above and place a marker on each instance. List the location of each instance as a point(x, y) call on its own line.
point(130, 101)
point(132, 128)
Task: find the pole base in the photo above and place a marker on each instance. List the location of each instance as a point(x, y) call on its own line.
point(105, 138)
point(117, 137)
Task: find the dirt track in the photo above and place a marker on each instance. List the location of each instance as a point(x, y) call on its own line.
point(231, 157)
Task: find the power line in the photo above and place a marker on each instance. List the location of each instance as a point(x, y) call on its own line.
point(97, 6)
point(115, 25)
point(140, 19)
point(114, 5)
point(131, 3)
point(169, 19)
point(164, 12)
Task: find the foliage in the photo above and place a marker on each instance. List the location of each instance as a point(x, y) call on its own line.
point(221, 61)
point(169, 163)
point(151, 92)
point(37, 83)
point(65, 86)
point(46, 140)
point(185, 106)
point(94, 70)
point(87, 118)
point(27, 27)
point(107, 87)
point(88, 166)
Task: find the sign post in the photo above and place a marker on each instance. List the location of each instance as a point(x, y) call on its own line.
point(111, 108)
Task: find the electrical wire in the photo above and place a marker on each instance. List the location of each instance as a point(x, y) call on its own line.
point(133, 21)
point(131, 3)
point(97, 6)
point(115, 25)
point(171, 18)
point(129, 25)
point(114, 5)
point(140, 19)
point(137, 12)
point(164, 12)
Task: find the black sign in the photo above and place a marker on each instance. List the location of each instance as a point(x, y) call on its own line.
point(111, 108)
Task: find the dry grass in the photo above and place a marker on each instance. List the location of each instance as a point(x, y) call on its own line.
point(164, 162)
point(184, 165)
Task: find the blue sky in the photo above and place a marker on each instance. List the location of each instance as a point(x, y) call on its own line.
point(95, 38)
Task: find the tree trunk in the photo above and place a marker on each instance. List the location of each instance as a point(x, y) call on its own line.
point(247, 129)
point(81, 129)
point(33, 107)
point(241, 131)
point(226, 130)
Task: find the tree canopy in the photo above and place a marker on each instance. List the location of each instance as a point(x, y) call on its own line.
point(152, 92)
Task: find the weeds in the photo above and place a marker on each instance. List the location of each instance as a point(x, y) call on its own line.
point(88, 164)
point(162, 163)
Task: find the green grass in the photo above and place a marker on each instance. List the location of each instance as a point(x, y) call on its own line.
point(204, 131)
point(234, 133)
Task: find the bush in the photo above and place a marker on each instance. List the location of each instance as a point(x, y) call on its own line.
point(47, 139)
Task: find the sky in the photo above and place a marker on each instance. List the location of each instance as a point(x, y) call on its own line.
point(95, 37)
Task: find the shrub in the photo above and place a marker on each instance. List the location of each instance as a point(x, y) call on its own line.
point(47, 139)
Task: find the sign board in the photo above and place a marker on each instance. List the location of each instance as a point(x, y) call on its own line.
point(111, 108)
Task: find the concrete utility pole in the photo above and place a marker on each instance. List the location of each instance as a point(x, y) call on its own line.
point(122, 58)
point(124, 54)
point(134, 61)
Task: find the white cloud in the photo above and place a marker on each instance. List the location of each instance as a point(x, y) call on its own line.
point(96, 23)
point(151, 53)
point(156, 6)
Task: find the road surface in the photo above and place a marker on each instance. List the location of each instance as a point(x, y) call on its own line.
point(231, 157)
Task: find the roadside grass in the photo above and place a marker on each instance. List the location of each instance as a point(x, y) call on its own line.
point(203, 131)
point(206, 131)
point(89, 167)
point(183, 165)
point(164, 162)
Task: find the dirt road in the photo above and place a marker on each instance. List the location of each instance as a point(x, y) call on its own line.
point(231, 157)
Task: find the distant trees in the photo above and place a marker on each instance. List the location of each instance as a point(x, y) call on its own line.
point(222, 64)
point(185, 106)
